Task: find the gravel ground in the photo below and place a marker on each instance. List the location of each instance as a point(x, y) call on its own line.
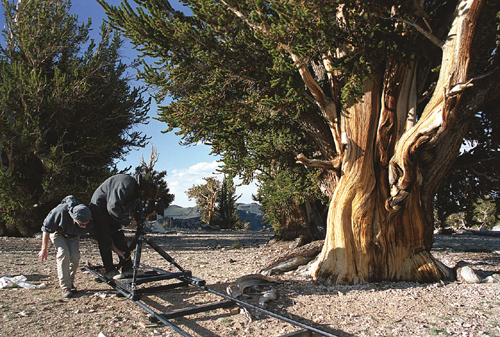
point(375, 309)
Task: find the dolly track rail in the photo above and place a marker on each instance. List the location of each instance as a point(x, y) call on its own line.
point(150, 311)
point(267, 312)
point(186, 279)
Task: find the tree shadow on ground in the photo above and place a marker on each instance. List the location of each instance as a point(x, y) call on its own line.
point(188, 297)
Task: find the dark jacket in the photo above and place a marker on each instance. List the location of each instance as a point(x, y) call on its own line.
point(117, 196)
point(59, 220)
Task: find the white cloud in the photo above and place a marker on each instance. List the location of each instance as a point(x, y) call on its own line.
point(246, 192)
point(180, 180)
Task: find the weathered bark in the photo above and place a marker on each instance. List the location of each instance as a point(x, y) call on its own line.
point(380, 224)
point(387, 163)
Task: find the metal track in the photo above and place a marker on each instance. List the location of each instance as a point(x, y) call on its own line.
point(128, 289)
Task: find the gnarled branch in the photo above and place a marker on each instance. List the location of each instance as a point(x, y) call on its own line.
point(324, 164)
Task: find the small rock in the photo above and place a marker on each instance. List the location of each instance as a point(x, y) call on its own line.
point(468, 275)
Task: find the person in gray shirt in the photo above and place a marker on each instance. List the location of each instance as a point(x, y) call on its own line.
point(63, 226)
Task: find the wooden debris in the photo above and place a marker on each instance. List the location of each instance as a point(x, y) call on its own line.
point(293, 259)
point(248, 281)
point(270, 295)
point(148, 325)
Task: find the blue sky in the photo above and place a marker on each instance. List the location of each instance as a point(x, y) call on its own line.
point(186, 166)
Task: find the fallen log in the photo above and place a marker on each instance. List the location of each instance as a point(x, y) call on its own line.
point(293, 259)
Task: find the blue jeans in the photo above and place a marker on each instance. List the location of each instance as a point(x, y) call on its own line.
point(68, 257)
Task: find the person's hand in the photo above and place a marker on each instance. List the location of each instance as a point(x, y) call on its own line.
point(118, 252)
point(133, 223)
point(42, 254)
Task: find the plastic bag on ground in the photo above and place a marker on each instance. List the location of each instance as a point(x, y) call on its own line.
point(7, 281)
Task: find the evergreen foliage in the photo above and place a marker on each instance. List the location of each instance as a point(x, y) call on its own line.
point(227, 91)
point(474, 176)
point(482, 213)
point(236, 88)
point(485, 213)
point(226, 211)
point(66, 111)
point(148, 172)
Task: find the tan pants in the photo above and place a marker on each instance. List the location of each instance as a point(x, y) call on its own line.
point(68, 257)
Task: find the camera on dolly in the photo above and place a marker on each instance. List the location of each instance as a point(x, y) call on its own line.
point(146, 207)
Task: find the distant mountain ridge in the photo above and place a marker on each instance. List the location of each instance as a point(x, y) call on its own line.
point(250, 213)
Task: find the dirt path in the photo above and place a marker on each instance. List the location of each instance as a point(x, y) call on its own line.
point(377, 309)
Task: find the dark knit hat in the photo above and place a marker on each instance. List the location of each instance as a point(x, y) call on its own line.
point(80, 213)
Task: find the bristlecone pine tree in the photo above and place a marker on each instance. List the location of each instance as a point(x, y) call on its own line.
point(392, 84)
point(205, 197)
point(66, 111)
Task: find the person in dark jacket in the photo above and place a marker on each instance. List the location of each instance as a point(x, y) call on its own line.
point(111, 206)
point(63, 226)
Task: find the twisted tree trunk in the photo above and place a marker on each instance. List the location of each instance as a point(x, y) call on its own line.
point(380, 224)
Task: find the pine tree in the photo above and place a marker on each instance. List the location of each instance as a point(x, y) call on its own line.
point(148, 172)
point(226, 211)
point(66, 111)
point(205, 196)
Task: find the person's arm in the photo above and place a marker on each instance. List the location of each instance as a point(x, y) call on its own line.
point(43, 253)
point(51, 224)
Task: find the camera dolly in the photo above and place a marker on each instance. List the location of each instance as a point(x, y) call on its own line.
point(128, 287)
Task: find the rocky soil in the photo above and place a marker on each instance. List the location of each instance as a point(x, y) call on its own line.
point(220, 258)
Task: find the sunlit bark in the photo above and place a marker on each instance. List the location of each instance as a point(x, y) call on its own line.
point(378, 228)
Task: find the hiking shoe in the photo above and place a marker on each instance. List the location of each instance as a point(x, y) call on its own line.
point(66, 293)
point(112, 273)
point(127, 274)
point(73, 289)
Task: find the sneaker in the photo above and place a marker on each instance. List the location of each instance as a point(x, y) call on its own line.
point(73, 289)
point(127, 274)
point(112, 273)
point(66, 293)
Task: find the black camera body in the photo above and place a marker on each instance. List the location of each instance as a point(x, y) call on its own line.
point(146, 207)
